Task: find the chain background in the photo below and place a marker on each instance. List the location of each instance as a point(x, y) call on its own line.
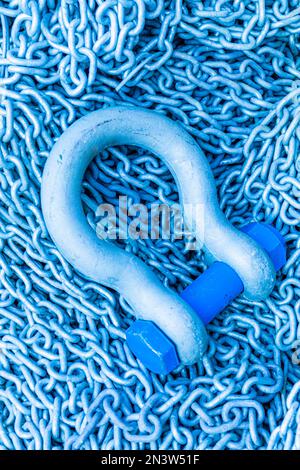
point(229, 72)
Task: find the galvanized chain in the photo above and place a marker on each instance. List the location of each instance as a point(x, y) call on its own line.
point(229, 72)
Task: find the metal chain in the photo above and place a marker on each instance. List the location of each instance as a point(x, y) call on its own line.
point(229, 72)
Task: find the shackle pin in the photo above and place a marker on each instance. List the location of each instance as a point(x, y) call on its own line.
point(208, 295)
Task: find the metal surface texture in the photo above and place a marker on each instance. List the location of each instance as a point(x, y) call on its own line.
point(228, 72)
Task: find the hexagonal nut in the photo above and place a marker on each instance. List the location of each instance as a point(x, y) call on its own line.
point(270, 239)
point(152, 347)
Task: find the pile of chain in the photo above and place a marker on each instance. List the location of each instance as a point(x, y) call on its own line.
point(229, 72)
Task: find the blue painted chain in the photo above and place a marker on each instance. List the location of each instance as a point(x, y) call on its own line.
point(229, 72)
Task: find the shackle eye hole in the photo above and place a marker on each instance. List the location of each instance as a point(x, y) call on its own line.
point(130, 198)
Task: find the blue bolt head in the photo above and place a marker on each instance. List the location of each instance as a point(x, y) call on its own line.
point(152, 347)
point(270, 239)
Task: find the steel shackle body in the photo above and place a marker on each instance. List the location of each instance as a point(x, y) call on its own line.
point(106, 263)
